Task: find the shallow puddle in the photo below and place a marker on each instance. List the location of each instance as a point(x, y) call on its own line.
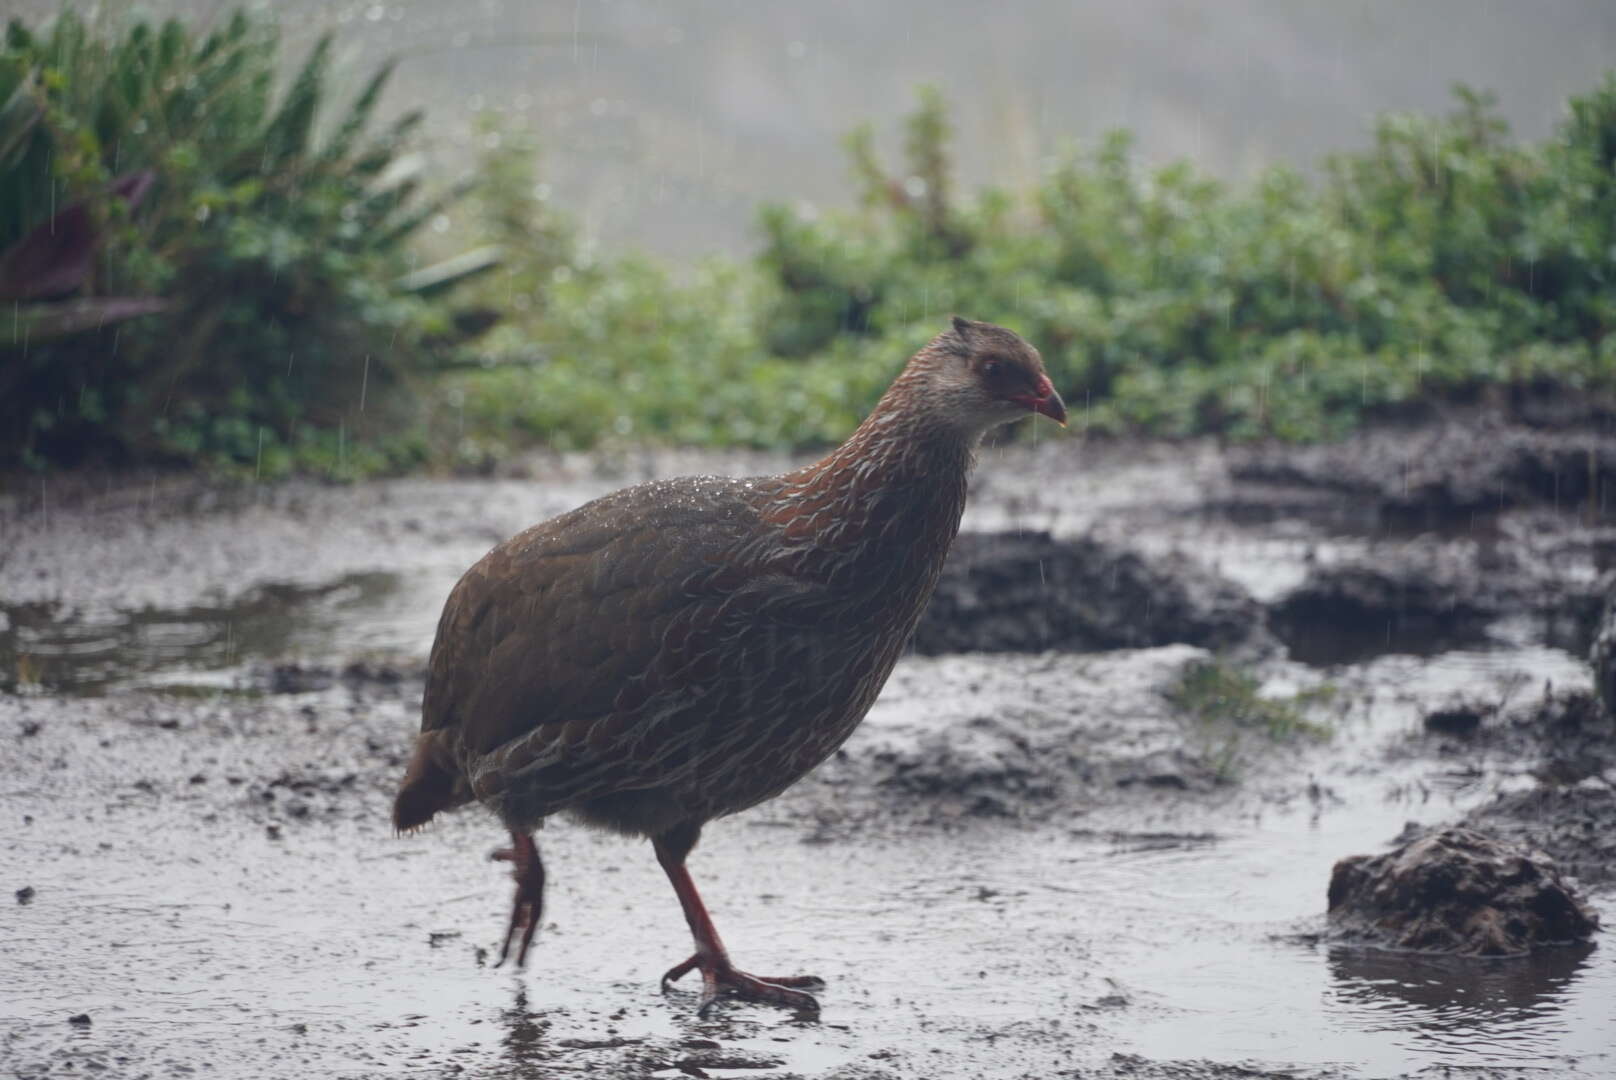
point(46, 647)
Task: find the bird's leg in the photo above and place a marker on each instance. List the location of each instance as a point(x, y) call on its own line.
point(527, 909)
point(718, 975)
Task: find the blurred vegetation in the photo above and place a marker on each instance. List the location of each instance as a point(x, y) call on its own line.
point(1444, 263)
point(273, 240)
point(262, 304)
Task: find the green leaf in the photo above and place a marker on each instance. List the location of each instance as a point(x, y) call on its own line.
point(18, 117)
point(442, 276)
point(353, 125)
point(286, 139)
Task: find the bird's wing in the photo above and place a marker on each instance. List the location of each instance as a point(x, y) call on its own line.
point(560, 643)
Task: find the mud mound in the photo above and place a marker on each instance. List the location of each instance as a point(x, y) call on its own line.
point(1560, 737)
point(1565, 736)
point(1446, 473)
point(1576, 826)
point(1426, 598)
point(985, 768)
point(1026, 737)
point(1458, 890)
point(1029, 592)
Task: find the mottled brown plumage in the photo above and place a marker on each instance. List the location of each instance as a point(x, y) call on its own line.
point(688, 648)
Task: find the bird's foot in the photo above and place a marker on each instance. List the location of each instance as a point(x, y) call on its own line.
point(720, 978)
point(527, 907)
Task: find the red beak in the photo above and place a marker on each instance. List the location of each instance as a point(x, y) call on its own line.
point(1045, 402)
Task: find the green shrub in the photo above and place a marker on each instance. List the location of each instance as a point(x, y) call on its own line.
point(1442, 260)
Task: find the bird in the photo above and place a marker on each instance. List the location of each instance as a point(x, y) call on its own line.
point(685, 649)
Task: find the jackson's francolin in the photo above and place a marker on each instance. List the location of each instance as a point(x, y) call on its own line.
point(685, 649)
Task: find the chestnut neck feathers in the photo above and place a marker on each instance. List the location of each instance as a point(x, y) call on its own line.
point(876, 515)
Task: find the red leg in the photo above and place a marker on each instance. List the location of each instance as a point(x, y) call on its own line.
point(718, 975)
point(527, 909)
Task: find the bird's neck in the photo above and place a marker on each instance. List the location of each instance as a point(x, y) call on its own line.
point(888, 500)
point(899, 447)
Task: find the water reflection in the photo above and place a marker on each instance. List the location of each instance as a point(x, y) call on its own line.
point(48, 647)
point(524, 1032)
point(1509, 1007)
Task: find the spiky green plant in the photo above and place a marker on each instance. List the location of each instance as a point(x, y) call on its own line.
point(279, 242)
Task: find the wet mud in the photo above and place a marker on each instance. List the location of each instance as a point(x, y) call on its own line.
point(1447, 471)
point(1432, 596)
point(1028, 862)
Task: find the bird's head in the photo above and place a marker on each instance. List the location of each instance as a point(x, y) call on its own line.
point(984, 375)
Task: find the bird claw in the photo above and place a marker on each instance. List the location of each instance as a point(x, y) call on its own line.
point(527, 907)
point(721, 979)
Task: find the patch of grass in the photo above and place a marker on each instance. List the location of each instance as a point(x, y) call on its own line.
point(1223, 705)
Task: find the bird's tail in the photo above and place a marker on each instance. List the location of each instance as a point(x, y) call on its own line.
point(433, 782)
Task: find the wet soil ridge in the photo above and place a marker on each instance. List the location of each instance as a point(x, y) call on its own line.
point(1426, 598)
point(1448, 473)
point(1457, 890)
point(1566, 742)
point(1028, 592)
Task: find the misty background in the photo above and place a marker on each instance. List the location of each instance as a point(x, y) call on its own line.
point(662, 125)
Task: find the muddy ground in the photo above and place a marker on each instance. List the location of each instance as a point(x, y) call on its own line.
point(1028, 862)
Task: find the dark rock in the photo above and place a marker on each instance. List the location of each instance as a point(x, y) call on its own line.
point(1457, 890)
point(1028, 592)
point(25, 895)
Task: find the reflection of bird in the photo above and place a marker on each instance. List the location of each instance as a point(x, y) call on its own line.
point(688, 648)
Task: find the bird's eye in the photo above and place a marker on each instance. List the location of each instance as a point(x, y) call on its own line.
point(991, 368)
